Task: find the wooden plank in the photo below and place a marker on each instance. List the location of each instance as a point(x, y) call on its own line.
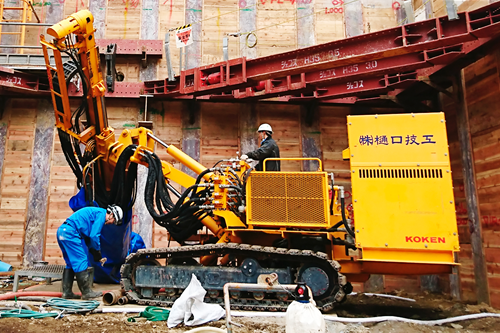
point(329, 22)
point(276, 28)
point(39, 186)
point(480, 271)
point(219, 18)
point(123, 19)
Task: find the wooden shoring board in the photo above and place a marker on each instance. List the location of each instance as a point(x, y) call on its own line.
point(123, 19)
point(329, 26)
point(376, 19)
point(20, 116)
point(219, 19)
point(276, 28)
point(219, 128)
point(62, 187)
point(36, 218)
point(285, 122)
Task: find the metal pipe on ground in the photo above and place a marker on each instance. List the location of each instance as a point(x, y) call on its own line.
point(270, 280)
point(123, 300)
point(111, 297)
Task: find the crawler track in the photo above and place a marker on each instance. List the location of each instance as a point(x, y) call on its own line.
point(292, 261)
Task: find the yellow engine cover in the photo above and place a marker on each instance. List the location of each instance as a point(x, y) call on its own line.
point(288, 199)
point(403, 204)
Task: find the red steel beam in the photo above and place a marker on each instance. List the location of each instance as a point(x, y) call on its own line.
point(15, 82)
point(395, 43)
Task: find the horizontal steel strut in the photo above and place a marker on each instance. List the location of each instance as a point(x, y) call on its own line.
point(340, 68)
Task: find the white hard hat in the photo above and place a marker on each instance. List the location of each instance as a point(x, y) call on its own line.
point(117, 213)
point(265, 128)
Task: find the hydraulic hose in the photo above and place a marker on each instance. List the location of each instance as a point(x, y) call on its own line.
point(344, 219)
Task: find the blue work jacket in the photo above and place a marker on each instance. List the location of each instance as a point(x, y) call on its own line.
point(89, 221)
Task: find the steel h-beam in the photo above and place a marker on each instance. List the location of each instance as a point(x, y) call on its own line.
point(347, 67)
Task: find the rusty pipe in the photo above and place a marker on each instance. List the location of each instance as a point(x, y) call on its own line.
point(254, 286)
point(122, 300)
point(111, 297)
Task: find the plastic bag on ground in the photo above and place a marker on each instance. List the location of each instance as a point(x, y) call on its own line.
point(304, 318)
point(191, 309)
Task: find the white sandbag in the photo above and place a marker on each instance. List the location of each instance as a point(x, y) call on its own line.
point(191, 304)
point(304, 318)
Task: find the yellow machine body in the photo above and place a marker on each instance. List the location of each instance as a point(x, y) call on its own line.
point(404, 209)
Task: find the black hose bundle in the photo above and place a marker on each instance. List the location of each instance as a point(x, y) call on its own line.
point(183, 218)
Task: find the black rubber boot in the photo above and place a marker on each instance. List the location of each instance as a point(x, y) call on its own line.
point(67, 284)
point(84, 283)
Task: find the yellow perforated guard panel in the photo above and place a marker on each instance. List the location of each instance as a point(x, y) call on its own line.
point(281, 199)
point(404, 210)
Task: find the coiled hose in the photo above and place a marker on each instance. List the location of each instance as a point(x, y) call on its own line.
point(152, 313)
point(72, 306)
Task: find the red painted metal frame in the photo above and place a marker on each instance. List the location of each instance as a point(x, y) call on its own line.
point(317, 70)
point(122, 90)
point(152, 47)
point(15, 82)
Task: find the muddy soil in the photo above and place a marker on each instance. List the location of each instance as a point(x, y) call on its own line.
point(426, 307)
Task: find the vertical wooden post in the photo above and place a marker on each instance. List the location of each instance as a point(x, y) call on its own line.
point(464, 137)
point(98, 10)
point(353, 15)
point(194, 16)
point(36, 217)
point(149, 30)
point(248, 128)
point(248, 23)
point(305, 24)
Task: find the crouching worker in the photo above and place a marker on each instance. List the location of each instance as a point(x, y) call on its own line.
point(82, 231)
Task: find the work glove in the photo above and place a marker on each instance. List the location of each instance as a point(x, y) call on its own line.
point(95, 254)
point(244, 157)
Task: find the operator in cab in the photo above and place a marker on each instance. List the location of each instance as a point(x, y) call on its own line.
point(82, 231)
point(268, 148)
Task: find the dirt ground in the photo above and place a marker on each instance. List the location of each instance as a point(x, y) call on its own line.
point(426, 307)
